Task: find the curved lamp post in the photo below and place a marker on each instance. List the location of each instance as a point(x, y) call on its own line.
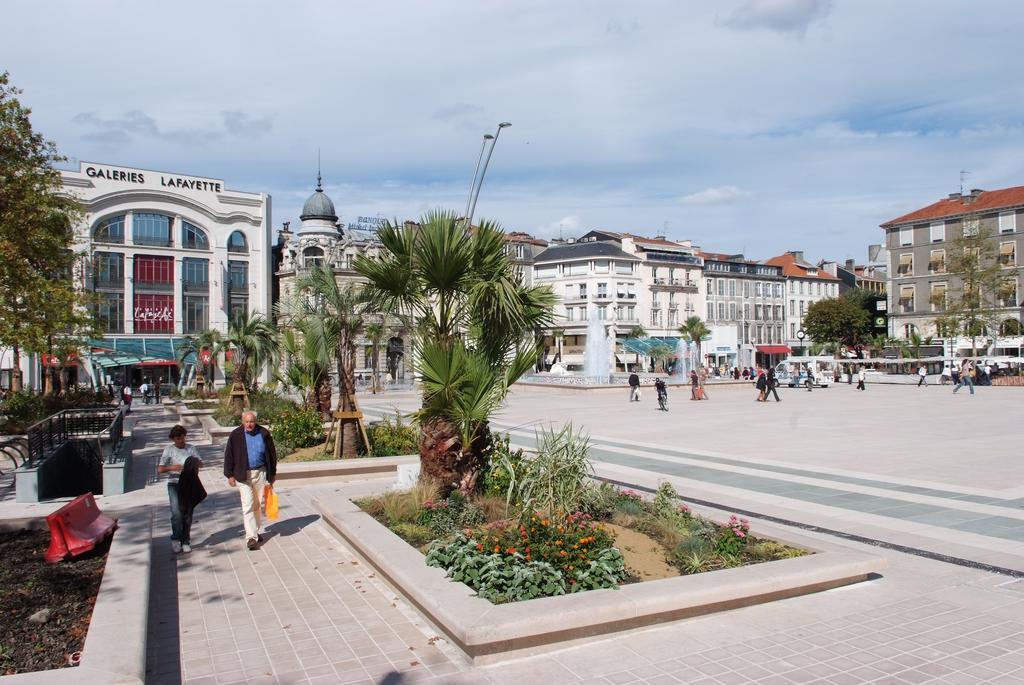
point(483, 172)
point(476, 172)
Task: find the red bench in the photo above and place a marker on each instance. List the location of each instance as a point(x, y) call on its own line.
point(76, 528)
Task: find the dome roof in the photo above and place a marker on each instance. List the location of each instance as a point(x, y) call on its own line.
point(318, 206)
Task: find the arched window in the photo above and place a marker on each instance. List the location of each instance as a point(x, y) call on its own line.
point(1010, 327)
point(312, 256)
point(151, 229)
point(193, 237)
point(110, 230)
point(237, 243)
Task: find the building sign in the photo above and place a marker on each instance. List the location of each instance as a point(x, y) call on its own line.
point(154, 313)
point(167, 181)
point(367, 223)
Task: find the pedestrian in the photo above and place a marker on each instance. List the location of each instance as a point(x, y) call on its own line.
point(967, 376)
point(861, 377)
point(810, 378)
point(702, 378)
point(181, 459)
point(634, 387)
point(159, 382)
point(944, 377)
point(761, 384)
point(694, 385)
point(144, 391)
point(922, 376)
point(849, 374)
point(746, 373)
point(771, 382)
point(250, 462)
point(126, 397)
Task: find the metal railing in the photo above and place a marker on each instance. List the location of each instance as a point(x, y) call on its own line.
point(48, 435)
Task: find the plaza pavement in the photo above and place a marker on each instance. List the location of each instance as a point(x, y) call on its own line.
point(304, 609)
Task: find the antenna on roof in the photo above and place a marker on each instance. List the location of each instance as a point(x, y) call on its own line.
point(963, 174)
point(318, 168)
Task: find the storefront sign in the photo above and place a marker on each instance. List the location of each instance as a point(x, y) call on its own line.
point(166, 181)
point(153, 314)
point(206, 357)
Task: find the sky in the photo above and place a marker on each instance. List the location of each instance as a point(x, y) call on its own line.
point(754, 126)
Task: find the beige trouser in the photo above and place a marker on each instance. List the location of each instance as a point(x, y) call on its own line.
point(252, 501)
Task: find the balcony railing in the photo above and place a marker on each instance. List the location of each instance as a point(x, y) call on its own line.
point(152, 242)
point(108, 283)
point(153, 286)
point(677, 258)
point(196, 286)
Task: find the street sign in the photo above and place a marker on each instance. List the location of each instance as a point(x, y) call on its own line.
point(879, 322)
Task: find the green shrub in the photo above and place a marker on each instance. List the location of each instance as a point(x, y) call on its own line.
point(502, 463)
point(604, 571)
point(733, 537)
point(599, 500)
point(445, 517)
point(555, 479)
point(24, 407)
point(389, 439)
point(297, 428)
point(413, 533)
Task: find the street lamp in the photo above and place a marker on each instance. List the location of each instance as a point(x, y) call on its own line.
point(476, 172)
point(483, 172)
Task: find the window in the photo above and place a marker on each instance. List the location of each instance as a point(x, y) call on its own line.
point(620, 313)
point(1007, 294)
point(631, 291)
point(732, 287)
point(909, 329)
point(520, 251)
point(746, 312)
point(778, 312)
point(817, 288)
point(577, 269)
point(803, 308)
point(110, 230)
point(193, 237)
point(938, 297)
point(570, 313)
point(542, 272)
point(654, 274)
point(194, 317)
point(792, 307)
point(792, 331)
point(570, 292)
point(238, 243)
point(938, 231)
point(238, 288)
point(602, 313)
point(767, 312)
point(906, 237)
point(708, 288)
point(732, 311)
point(195, 274)
point(711, 311)
point(721, 286)
point(906, 298)
point(971, 227)
point(110, 312)
point(792, 287)
point(620, 290)
point(746, 288)
point(601, 266)
point(631, 313)
point(154, 313)
point(721, 310)
point(151, 229)
point(1007, 222)
point(673, 318)
point(312, 257)
point(906, 265)
point(757, 312)
point(154, 272)
point(108, 270)
point(602, 290)
point(584, 314)
point(1008, 254)
point(757, 289)
point(1010, 327)
point(623, 267)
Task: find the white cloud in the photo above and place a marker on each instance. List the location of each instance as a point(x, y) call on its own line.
point(567, 226)
point(781, 16)
point(719, 195)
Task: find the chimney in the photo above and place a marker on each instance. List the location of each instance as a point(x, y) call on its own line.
point(849, 265)
point(973, 197)
point(798, 255)
point(659, 237)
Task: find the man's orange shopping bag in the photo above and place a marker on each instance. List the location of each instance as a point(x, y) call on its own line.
point(270, 502)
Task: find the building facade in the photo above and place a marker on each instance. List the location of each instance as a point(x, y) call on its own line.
point(920, 244)
point(806, 284)
point(167, 255)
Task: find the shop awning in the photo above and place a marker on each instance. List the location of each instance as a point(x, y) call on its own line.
point(644, 345)
point(774, 349)
point(112, 352)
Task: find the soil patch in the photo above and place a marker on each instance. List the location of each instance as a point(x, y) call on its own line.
point(27, 585)
point(314, 453)
point(644, 556)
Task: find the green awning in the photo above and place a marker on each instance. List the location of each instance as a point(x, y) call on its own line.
point(644, 345)
point(111, 352)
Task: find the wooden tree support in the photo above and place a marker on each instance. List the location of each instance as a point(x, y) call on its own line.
point(340, 419)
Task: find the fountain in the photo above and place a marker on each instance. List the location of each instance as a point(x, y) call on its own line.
point(597, 354)
point(684, 353)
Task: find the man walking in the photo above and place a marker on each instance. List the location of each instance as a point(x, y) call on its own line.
point(702, 378)
point(250, 462)
point(634, 387)
point(771, 382)
point(966, 378)
point(922, 376)
point(861, 377)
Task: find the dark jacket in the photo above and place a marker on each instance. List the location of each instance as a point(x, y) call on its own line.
point(236, 457)
point(190, 489)
point(771, 381)
point(634, 380)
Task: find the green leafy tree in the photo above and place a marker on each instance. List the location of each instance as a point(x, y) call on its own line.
point(694, 330)
point(837, 320)
point(332, 321)
point(473, 321)
point(660, 353)
point(976, 297)
point(40, 309)
point(252, 340)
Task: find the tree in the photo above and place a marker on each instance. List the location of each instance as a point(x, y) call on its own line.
point(375, 333)
point(660, 352)
point(333, 320)
point(473, 321)
point(975, 298)
point(253, 343)
point(914, 345)
point(694, 330)
point(40, 309)
point(208, 339)
point(837, 320)
point(636, 332)
point(877, 343)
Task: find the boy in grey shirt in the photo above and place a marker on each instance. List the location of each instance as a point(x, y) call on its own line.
point(171, 462)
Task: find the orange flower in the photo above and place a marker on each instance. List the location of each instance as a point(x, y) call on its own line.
point(510, 550)
point(479, 548)
point(497, 548)
point(544, 522)
point(558, 542)
point(564, 553)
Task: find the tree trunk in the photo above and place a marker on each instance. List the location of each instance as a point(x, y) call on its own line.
point(346, 390)
point(374, 362)
point(16, 370)
point(444, 460)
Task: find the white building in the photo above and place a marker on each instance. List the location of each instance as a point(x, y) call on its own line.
point(805, 285)
point(169, 255)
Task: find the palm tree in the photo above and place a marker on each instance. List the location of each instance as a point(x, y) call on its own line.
point(253, 343)
point(333, 322)
point(303, 372)
point(913, 346)
point(878, 342)
point(375, 333)
point(472, 319)
point(695, 331)
point(208, 339)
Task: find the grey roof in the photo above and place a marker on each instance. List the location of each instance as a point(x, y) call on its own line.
point(558, 253)
point(318, 206)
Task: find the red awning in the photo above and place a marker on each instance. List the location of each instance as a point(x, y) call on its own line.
point(774, 349)
point(157, 362)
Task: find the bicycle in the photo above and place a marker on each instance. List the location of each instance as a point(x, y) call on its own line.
point(663, 401)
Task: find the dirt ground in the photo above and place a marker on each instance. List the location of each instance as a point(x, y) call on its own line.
point(314, 453)
point(27, 585)
point(643, 555)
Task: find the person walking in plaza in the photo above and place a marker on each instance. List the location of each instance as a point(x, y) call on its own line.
point(144, 391)
point(250, 462)
point(702, 377)
point(156, 389)
point(634, 387)
point(944, 377)
point(922, 376)
point(966, 378)
point(761, 384)
point(694, 385)
point(861, 377)
point(126, 397)
point(770, 383)
point(181, 462)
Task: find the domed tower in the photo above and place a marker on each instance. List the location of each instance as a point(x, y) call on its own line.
point(318, 215)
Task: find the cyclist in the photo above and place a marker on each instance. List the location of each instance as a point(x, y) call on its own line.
point(662, 390)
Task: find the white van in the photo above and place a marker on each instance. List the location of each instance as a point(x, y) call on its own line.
point(793, 371)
